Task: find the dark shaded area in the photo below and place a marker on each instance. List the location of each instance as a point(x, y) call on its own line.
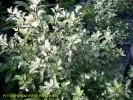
point(128, 12)
point(125, 44)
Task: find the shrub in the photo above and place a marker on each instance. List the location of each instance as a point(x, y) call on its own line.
point(56, 54)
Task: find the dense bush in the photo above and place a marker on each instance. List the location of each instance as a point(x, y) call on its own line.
point(71, 54)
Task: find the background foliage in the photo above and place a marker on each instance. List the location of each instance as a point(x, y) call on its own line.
point(63, 51)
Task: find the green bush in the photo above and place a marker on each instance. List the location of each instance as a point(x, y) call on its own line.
point(56, 54)
point(2, 13)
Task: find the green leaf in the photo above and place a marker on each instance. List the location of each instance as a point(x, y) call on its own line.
point(23, 4)
point(3, 67)
point(8, 76)
point(110, 89)
point(131, 72)
point(115, 83)
point(47, 44)
point(127, 95)
point(17, 77)
point(35, 2)
point(128, 82)
point(78, 7)
point(32, 99)
point(40, 13)
point(78, 91)
point(35, 24)
point(8, 27)
point(57, 7)
point(95, 36)
point(65, 83)
point(49, 18)
point(11, 44)
point(72, 16)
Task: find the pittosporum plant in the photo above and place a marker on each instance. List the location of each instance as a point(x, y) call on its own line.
point(53, 54)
